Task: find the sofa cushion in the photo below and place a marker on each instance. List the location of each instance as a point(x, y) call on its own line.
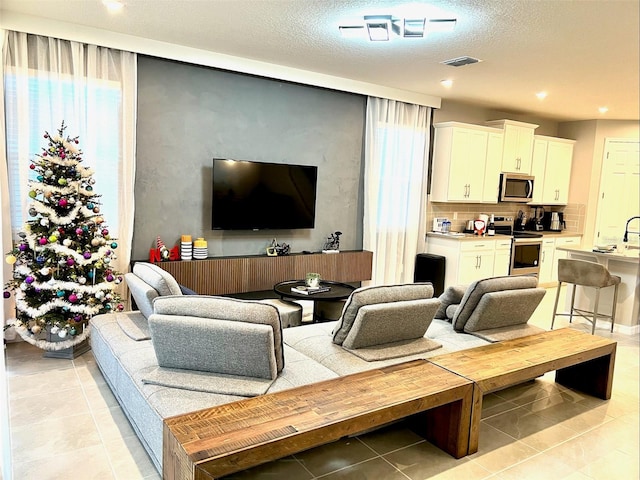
point(477, 289)
point(156, 277)
point(210, 307)
point(199, 381)
point(388, 351)
point(142, 293)
point(383, 323)
point(373, 295)
point(212, 345)
point(452, 296)
point(504, 308)
point(508, 333)
point(134, 325)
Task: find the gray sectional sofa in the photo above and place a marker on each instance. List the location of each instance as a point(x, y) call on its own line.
point(179, 353)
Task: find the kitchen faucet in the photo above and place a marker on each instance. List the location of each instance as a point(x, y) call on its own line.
point(626, 230)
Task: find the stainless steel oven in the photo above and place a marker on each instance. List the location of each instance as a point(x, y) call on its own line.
point(526, 248)
point(525, 254)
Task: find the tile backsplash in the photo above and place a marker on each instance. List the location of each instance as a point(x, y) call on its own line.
point(574, 213)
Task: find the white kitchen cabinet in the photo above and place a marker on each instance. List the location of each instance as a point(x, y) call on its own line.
point(517, 151)
point(466, 260)
point(476, 261)
point(546, 260)
point(460, 163)
point(551, 168)
point(493, 167)
point(502, 261)
point(573, 242)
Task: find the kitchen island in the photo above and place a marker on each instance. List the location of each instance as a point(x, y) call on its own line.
point(625, 264)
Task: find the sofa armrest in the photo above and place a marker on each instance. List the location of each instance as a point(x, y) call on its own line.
point(211, 345)
point(383, 323)
point(143, 293)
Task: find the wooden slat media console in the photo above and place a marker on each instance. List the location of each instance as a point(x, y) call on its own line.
point(227, 275)
point(581, 361)
point(222, 440)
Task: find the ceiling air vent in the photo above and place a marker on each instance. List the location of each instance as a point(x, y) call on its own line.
point(460, 61)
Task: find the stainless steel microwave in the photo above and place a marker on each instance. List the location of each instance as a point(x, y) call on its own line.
point(516, 188)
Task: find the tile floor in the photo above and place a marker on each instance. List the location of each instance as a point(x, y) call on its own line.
point(66, 424)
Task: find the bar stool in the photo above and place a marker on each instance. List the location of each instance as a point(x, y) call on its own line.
point(585, 274)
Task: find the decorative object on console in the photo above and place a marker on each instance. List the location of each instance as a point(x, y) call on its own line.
point(161, 253)
point(200, 251)
point(332, 245)
point(186, 247)
point(275, 249)
point(62, 264)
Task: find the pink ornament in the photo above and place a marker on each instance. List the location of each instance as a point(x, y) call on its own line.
point(62, 155)
point(87, 255)
point(79, 231)
point(70, 262)
point(42, 241)
point(32, 166)
point(73, 298)
point(109, 278)
point(62, 202)
point(105, 232)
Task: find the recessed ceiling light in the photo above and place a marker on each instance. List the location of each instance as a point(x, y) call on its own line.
point(603, 109)
point(541, 95)
point(446, 83)
point(113, 5)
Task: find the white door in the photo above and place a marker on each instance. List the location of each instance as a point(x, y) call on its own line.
point(619, 199)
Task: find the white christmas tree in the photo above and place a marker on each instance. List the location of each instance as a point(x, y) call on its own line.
point(62, 273)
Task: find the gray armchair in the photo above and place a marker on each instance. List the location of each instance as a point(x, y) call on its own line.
point(496, 308)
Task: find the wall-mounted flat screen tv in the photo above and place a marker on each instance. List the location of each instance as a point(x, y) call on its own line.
point(250, 195)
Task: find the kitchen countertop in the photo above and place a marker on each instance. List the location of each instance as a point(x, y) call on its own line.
point(631, 255)
point(470, 236)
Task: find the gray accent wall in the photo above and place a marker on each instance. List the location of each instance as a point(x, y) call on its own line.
point(189, 114)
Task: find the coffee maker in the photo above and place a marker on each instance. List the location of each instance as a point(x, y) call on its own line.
point(553, 221)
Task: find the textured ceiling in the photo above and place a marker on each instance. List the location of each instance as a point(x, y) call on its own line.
point(584, 53)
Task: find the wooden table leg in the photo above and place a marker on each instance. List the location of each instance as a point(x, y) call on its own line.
point(594, 377)
point(476, 416)
point(448, 426)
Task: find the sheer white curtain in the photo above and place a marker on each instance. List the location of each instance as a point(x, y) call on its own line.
point(93, 90)
point(395, 187)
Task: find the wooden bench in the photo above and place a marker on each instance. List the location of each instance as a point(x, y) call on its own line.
point(228, 438)
point(581, 361)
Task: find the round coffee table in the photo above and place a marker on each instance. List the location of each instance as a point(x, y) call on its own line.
point(322, 301)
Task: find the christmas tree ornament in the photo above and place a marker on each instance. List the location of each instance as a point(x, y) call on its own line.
point(62, 333)
point(32, 194)
point(55, 329)
point(36, 329)
point(66, 242)
point(10, 259)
